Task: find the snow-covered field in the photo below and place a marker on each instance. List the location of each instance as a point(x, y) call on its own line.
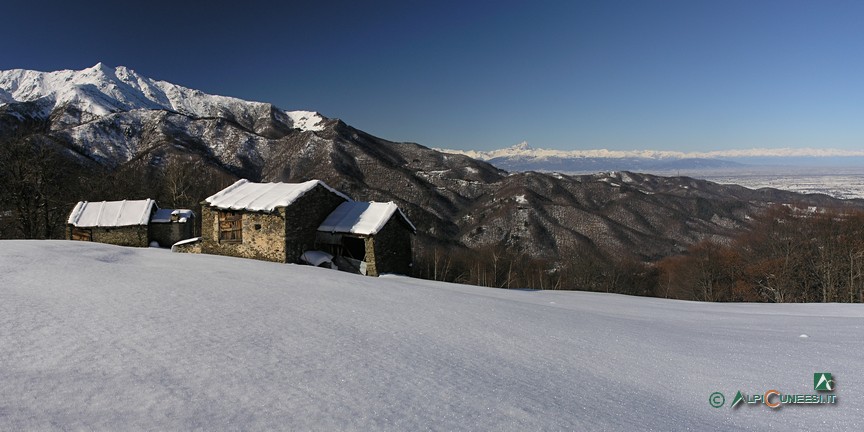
point(838, 182)
point(98, 337)
point(839, 185)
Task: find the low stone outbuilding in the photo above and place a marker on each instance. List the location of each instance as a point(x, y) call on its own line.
point(371, 238)
point(169, 226)
point(123, 223)
point(266, 221)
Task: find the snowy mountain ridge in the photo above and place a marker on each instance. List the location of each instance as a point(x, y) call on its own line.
point(101, 90)
point(523, 157)
point(524, 150)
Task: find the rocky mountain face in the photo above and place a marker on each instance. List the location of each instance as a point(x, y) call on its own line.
point(113, 119)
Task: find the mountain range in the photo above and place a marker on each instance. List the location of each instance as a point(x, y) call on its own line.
point(112, 119)
point(523, 157)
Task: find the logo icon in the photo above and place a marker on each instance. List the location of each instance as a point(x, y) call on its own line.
point(822, 381)
point(738, 398)
point(716, 399)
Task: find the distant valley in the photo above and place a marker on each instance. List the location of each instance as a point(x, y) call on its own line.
point(840, 176)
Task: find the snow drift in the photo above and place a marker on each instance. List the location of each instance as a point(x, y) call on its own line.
point(102, 337)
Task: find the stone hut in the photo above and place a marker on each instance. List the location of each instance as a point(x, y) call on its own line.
point(368, 237)
point(266, 221)
point(169, 226)
point(123, 223)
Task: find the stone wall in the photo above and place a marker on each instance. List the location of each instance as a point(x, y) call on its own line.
point(192, 246)
point(303, 218)
point(135, 235)
point(168, 233)
point(389, 251)
point(263, 235)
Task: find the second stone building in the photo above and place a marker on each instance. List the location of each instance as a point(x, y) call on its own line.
point(281, 221)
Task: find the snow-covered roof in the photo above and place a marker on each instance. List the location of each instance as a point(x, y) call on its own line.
point(246, 195)
point(164, 215)
point(111, 213)
point(365, 218)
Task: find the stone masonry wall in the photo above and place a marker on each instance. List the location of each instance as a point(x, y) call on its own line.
point(136, 235)
point(303, 218)
point(369, 257)
point(263, 235)
point(389, 251)
point(166, 234)
point(191, 247)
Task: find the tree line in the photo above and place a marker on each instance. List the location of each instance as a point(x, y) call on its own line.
point(42, 178)
point(576, 268)
point(788, 254)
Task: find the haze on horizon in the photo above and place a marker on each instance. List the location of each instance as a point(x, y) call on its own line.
point(618, 75)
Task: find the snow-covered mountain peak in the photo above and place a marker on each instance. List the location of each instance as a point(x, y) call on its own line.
point(306, 120)
point(99, 69)
point(101, 90)
point(98, 90)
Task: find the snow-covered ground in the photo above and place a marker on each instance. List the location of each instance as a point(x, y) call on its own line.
point(110, 338)
point(839, 184)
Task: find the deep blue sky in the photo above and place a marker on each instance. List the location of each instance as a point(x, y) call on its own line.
point(665, 75)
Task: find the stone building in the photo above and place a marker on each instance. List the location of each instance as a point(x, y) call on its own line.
point(266, 221)
point(129, 223)
point(169, 226)
point(368, 237)
point(123, 223)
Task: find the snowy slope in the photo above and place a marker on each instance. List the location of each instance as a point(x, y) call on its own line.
point(109, 338)
point(102, 90)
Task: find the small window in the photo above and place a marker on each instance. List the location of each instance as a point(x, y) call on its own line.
point(230, 227)
point(82, 234)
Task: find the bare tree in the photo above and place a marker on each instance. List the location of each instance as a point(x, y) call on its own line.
point(37, 184)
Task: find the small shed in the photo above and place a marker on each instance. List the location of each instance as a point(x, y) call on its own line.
point(371, 238)
point(267, 221)
point(123, 223)
point(169, 226)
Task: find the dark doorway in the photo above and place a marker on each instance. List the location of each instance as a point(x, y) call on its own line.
point(354, 248)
